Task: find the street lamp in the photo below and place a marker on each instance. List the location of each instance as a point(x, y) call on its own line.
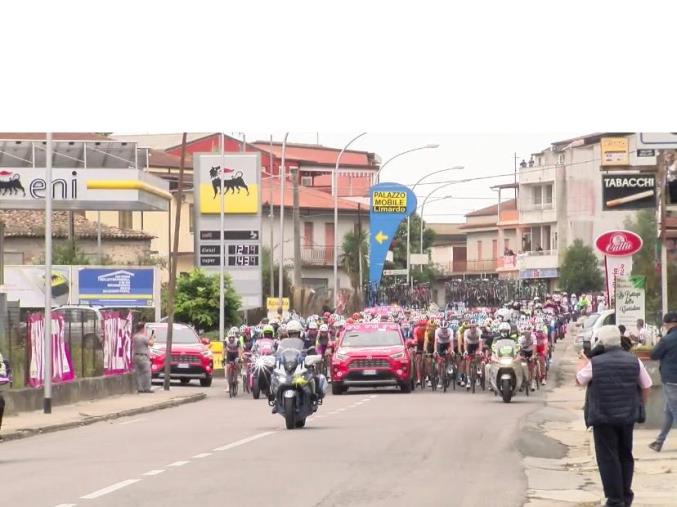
point(426, 147)
point(334, 186)
point(423, 206)
point(280, 275)
point(454, 168)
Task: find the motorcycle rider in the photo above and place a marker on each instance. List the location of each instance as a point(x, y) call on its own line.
point(294, 329)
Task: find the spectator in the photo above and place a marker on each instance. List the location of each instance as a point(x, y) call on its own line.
point(4, 384)
point(142, 344)
point(613, 405)
point(639, 335)
point(626, 342)
point(666, 353)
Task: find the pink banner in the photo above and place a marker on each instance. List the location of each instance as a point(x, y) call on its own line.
point(117, 343)
point(62, 366)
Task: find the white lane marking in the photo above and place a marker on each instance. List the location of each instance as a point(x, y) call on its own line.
point(132, 421)
point(178, 463)
point(364, 399)
point(373, 396)
point(341, 410)
point(110, 489)
point(202, 455)
point(243, 441)
point(66, 505)
point(150, 473)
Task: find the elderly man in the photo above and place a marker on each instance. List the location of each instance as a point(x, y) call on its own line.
point(613, 404)
point(666, 353)
point(142, 344)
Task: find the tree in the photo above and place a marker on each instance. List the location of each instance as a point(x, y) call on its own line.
point(68, 254)
point(197, 301)
point(580, 270)
point(353, 245)
point(646, 263)
point(399, 245)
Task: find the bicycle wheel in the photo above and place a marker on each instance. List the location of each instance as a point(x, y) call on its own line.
point(433, 377)
point(473, 375)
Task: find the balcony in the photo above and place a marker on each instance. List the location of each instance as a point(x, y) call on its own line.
point(483, 266)
point(449, 268)
point(531, 206)
point(318, 255)
point(545, 259)
point(506, 263)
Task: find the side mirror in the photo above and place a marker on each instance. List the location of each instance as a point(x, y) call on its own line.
point(204, 341)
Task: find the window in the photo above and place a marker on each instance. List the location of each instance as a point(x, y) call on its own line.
point(506, 246)
point(494, 249)
point(307, 181)
point(537, 196)
point(547, 195)
point(308, 234)
point(479, 250)
point(546, 237)
point(329, 234)
point(125, 219)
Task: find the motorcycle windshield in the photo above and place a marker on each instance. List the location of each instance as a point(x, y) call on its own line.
point(290, 343)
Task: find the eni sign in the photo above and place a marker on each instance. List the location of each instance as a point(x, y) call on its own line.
point(389, 202)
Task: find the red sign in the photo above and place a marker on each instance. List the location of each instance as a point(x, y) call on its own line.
point(619, 243)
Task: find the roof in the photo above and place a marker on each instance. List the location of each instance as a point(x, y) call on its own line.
point(480, 225)
point(161, 141)
point(445, 229)
point(31, 224)
point(317, 154)
point(162, 159)
point(493, 209)
point(308, 197)
point(56, 136)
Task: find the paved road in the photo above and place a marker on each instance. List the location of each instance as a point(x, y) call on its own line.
point(372, 448)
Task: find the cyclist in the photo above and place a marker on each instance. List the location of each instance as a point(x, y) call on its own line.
point(542, 348)
point(527, 342)
point(471, 346)
point(312, 332)
point(232, 348)
point(429, 347)
point(487, 336)
point(443, 343)
point(419, 337)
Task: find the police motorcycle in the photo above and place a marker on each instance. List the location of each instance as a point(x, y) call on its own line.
point(296, 390)
point(505, 371)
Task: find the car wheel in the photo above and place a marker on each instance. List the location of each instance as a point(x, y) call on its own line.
point(406, 387)
point(337, 388)
point(206, 382)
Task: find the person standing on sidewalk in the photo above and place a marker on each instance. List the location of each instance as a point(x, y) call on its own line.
point(4, 384)
point(666, 353)
point(142, 344)
point(613, 405)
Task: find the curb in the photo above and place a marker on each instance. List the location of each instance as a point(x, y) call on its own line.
point(25, 433)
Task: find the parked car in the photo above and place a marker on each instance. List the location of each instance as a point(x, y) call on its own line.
point(191, 357)
point(371, 355)
point(586, 338)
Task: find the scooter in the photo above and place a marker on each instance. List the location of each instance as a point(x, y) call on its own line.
point(506, 371)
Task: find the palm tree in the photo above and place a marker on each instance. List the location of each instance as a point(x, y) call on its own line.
point(354, 245)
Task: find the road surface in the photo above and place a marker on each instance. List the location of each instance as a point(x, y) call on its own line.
point(364, 448)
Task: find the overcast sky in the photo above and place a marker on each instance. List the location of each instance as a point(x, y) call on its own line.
point(479, 154)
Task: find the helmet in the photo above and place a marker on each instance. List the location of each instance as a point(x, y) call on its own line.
point(233, 331)
point(312, 325)
point(504, 329)
point(324, 328)
point(356, 316)
point(294, 327)
point(268, 330)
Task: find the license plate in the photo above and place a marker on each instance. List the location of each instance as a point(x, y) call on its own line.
point(368, 372)
point(183, 365)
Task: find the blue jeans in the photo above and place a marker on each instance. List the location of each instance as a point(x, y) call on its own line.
point(670, 395)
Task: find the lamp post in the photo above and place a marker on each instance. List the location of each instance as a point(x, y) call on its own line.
point(280, 289)
point(334, 188)
point(426, 147)
point(454, 168)
point(423, 206)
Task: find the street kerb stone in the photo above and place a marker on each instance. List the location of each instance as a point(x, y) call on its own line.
point(86, 420)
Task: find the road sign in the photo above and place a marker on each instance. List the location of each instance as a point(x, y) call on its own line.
point(394, 272)
point(272, 304)
point(657, 140)
point(390, 204)
point(241, 173)
point(116, 287)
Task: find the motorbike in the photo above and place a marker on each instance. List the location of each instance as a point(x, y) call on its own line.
point(506, 371)
point(263, 364)
point(297, 391)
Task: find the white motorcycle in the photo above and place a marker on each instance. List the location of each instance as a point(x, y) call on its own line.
point(506, 371)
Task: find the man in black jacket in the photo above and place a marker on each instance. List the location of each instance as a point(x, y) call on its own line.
point(666, 353)
point(614, 379)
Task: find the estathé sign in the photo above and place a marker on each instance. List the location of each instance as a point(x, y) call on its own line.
point(619, 243)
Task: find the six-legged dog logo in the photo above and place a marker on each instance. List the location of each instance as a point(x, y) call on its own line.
point(234, 182)
point(10, 183)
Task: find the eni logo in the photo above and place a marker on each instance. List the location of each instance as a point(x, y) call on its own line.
point(235, 182)
point(61, 188)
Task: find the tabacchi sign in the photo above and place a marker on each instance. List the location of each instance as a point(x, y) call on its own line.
point(619, 243)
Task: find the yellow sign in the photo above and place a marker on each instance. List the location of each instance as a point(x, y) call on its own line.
point(380, 237)
point(235, 200)
point(615, 151)
point(272, 304)
point(389, 202)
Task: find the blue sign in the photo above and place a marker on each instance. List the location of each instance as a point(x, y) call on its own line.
point(390, 204)
point(116, 287)
point(529, 274)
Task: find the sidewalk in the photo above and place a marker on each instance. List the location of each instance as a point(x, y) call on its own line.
point(26, 424)
point(564, 470)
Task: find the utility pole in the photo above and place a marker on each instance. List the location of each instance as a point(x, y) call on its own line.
point(359, 244)
point(3, 295)
point(296, 217)
point(270, 216)
point(171, 296)
point(47, 348)
point(515, 159)
point(282, 180)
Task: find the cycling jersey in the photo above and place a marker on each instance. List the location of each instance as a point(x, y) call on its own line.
point(443, 335)
point(471, 337)
point(527, 343)
point(488, 337)
point(541, 343)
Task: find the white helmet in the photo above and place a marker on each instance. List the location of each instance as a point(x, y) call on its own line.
point(312, 325)
point(233, 331)
point(504, 326)
point(324, 328)
point(295, 327)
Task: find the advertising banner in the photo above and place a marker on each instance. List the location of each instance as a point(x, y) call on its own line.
point(128, 288)
point(618, 247)
point(628, 191)
point(390, 204)
point(62, 366)
point(614, 151)
point(117, 343)
point(26, 284)
point(630, 300)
